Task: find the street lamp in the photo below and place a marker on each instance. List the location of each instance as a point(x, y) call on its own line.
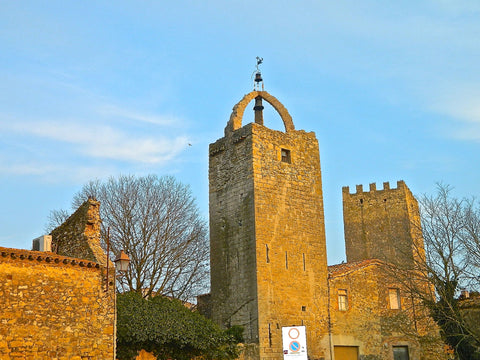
point(121, 261)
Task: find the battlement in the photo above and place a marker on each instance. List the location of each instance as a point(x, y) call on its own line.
point(373, 188)
point(381, 223)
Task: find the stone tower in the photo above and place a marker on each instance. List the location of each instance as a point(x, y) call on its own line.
point(267, 233)
point(382, 224)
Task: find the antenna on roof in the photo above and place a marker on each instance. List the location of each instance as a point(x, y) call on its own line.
point(258, 75)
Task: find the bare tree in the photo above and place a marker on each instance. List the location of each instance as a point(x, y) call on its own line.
point(448, 263)
point(56, 218)
point(156, 221)
point(471, 239)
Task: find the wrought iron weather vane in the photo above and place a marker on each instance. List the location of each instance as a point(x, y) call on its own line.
point(258, 75)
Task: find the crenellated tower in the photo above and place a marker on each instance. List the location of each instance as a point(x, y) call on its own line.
point(382, 224)
point(267, 233)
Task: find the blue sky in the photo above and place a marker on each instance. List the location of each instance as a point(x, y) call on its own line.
point(97, 88)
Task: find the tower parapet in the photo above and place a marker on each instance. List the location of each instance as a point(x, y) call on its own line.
point(382, 224)
point(373, 188)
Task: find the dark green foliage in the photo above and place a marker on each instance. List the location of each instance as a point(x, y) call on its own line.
point(448, 316)
point(169, 330)
point(451, 230)
point(236, 331)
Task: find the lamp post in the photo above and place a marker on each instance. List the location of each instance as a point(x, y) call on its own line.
point(121, 264)
point(121, 261)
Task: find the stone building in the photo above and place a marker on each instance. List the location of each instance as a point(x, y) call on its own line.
point(374, 317)
point(268, 250)
point(55, 305)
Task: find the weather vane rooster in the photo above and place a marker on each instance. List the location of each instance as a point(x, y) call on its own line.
point(258, 75)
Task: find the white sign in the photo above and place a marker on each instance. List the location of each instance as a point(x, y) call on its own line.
point(294, 343)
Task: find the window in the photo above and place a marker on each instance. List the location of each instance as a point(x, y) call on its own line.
point(342, 300)
point(286, 156)
point(400, 353)
point(394, 298)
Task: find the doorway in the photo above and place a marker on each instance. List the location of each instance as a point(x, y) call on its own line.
point(345, 352)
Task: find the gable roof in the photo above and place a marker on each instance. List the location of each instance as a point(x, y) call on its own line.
point(348, 267)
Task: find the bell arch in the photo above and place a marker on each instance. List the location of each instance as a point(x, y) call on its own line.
point(236, 117)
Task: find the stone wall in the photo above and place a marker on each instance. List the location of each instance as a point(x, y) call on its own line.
point(232, 233)
point(369, 322)
point(55, 306)
point(470, 310)
point(382, 224)
point(79, 235)
point(290, 239)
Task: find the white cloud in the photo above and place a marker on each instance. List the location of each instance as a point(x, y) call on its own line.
point(464, 108)
point(54, 173)
point(471, 133)
point(461, 104)
point(31, 168)
point(102, 141)
point(115, 111)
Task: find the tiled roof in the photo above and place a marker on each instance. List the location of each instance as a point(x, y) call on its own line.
point(347, 267)
point(48, 257)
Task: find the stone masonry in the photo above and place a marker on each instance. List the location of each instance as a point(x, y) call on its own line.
point(368, 322)
point(382, 224)
point(268, 250)
point(267, 232)
point(55, 306)
point(79, 235)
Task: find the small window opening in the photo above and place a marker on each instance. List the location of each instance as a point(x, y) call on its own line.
point(304, 265)
point(304, 308)
point(342, 300)
point(286, 156)
point(267, 250)
point(394, 298)
point(361, 201)
point(286, 260)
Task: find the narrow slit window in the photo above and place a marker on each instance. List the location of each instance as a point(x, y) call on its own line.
point(286, 158)
point(304, 264)
point(267, 251)
point(269, 335)
point(286, 260)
